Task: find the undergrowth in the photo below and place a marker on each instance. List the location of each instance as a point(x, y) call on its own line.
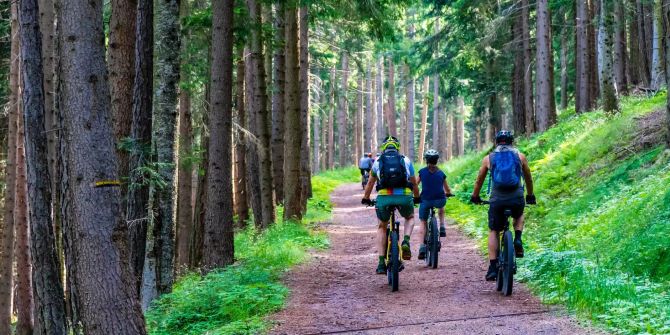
point(236, 299)
point(598, 239)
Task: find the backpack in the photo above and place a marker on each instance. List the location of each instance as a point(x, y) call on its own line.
point(392, 171)
point(505, 170)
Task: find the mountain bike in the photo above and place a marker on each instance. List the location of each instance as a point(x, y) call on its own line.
point(364, 178)
point(506, 256)
point(393, 251)
point(433, 244)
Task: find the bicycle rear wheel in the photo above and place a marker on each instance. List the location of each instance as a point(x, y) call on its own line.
point(508, 263)
point(393, 268)
point(433, 244)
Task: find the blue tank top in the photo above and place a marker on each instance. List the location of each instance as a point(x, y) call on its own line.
point(432, 184)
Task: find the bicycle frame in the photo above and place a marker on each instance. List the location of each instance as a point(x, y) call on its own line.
point(393, 225)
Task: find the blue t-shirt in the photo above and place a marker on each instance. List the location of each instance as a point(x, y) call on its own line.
point(432, 184)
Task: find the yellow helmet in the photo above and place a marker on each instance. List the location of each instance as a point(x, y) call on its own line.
point(390, 142)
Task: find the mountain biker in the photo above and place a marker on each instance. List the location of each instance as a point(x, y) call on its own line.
point(365, 164)
point(507, 166)
point(434, 193)
point(394, 176)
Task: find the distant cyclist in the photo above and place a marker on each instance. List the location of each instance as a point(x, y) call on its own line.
point(434, 193)
point(393, 174)
point(365, 164)
point(508, 166)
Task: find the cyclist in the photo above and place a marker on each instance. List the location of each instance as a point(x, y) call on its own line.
point(394, 176)
point(507, 166)
point(365, 164)
point(434, 193)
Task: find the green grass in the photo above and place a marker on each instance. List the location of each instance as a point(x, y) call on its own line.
point(236, 300)
point(598, 239)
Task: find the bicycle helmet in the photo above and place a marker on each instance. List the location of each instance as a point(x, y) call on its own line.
point(431, 156)
point(504, 137)
point(390, 143)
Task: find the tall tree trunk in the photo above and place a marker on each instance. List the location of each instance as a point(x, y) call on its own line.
point(305, 162)
point(436, 114)
point(197, 239)
point(331, 120)
point(620, 49)
point(518, 71)
point(24, 294)
point(643, 42)
point(545, 108)
point(424, 117)
point(657, 76)
point(564, 66)
point(495, 112)
point(241, 206)
point(444, 135)
point(97, 268)
point(528, 72)
point(459, 129)
point(121, 59)
point(46, 275)
point(666, 21)
point(582, 58)
point(402, 112)
point(316, 144)
point(606, 76)
point(410, 113)
point(184, 181)
point(293, 133)
point(372, 113)
point(218, 250)
point(380, 100)
point(342, 111)
point(634, 56)
point(323, 149)
point(7, 224)
point(278, 106)
point(358, 121)
point(369, 118)
point(391, 111)
point(594, 86)
point(252, 143)
point(263, 117)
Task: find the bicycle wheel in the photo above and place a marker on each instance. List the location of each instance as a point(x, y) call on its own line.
point(393, 267)
point(508, 263)
point(433, 243)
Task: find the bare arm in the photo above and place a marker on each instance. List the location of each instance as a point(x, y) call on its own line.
point(526, 174)
point(483, 170)
point(415, 186)
point(368, 188)
point(447, 189)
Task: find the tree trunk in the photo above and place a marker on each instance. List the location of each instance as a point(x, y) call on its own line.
point(218, 249)
point(358, 121)
point(342, 111)
point(545, 107)
point(97, 269)
point(594, 86)
point(121, 59)
point(444, 135)
point(240, 187)
point(185, 181)
point(331, 120)
point(528, 72)
point(7, 224)
point(263, 117)
point(391, 111)
point(380, 101)
point(436, 114)
point(424, 117)
point(24, 294)
point(564, 66)
point(305, 162)
point(643, 42)
point(369, 118)
point(197, 239)
point(634, 60)
point(657, 76)
point(620, 54)
point(293, 133)
point(459, 130)
point(278, 106)
point(607, 89)
point(666, 21)
point(140, 131)
point(316, 152)
point(449, 144)
point(582, 60)
point(410, 113)
point(252, 156)
point(372, 113)
point(46, 274)
point(518, 71)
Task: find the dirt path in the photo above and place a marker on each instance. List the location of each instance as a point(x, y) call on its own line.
point(338, 291)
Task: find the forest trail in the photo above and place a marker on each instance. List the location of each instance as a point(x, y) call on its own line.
point(339, 293)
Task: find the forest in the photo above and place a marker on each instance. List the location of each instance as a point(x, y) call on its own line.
point(153, 148)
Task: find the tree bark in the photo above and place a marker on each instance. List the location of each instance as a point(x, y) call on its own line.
point(316, 152)
point(657, 76)
point(305, 162)
point(436, 114)
point(528, 72)
point(331, 120)
point(564, 66)
point(358, 121)
point(380, 101)
point(620, 55)
point(594, 86)
point(95, 240)
point(7, 224)
point(252, 143)
point(372, 113)
point(518, 91)
point(444, 134)
point(582, 59)
point(450, 143)
point(369, 112)
point(643, 42)
point(634, 56)
point(185, 182)
point(459, 130)
point(391, 111)
point(606, 74)
point(545, 107)
point(137, 212)
point(342, 112)
point(218, 250)
point(278, 106)
point(666, 21)
point(293, 133)
point(240, 186)
point(411, 83)
point(424, 117)
point(46, 275)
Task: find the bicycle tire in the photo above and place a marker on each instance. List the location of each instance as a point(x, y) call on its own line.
point(508, 264)
point(394, 268)
point(434, 244)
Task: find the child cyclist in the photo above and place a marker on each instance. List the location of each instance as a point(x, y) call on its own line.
point(434, 193)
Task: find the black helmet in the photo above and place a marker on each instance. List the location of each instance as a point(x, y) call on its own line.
point(391, 142)
point(504, 137)
point(431, 156)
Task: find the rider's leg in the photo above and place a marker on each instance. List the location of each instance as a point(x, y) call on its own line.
point(441, 216)
point(381, 239)
point(518, 227)
point(409, 226)
point(493, 245)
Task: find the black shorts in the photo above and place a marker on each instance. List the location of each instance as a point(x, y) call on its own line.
point(497, 209)
point(363, 171)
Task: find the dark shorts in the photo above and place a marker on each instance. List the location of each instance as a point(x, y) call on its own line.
point(363, 171)
point(497, 209)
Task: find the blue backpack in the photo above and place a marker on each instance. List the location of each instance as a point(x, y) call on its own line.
point(505, 170)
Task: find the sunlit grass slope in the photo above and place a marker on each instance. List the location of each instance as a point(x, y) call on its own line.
point(599, 238)
point(236, 300)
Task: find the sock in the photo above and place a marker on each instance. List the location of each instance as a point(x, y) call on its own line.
point(517, 235)
point(382, 259)
point(406, 239)
point(493, 262)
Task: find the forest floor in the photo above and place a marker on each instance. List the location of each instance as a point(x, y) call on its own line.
point(339, 293)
